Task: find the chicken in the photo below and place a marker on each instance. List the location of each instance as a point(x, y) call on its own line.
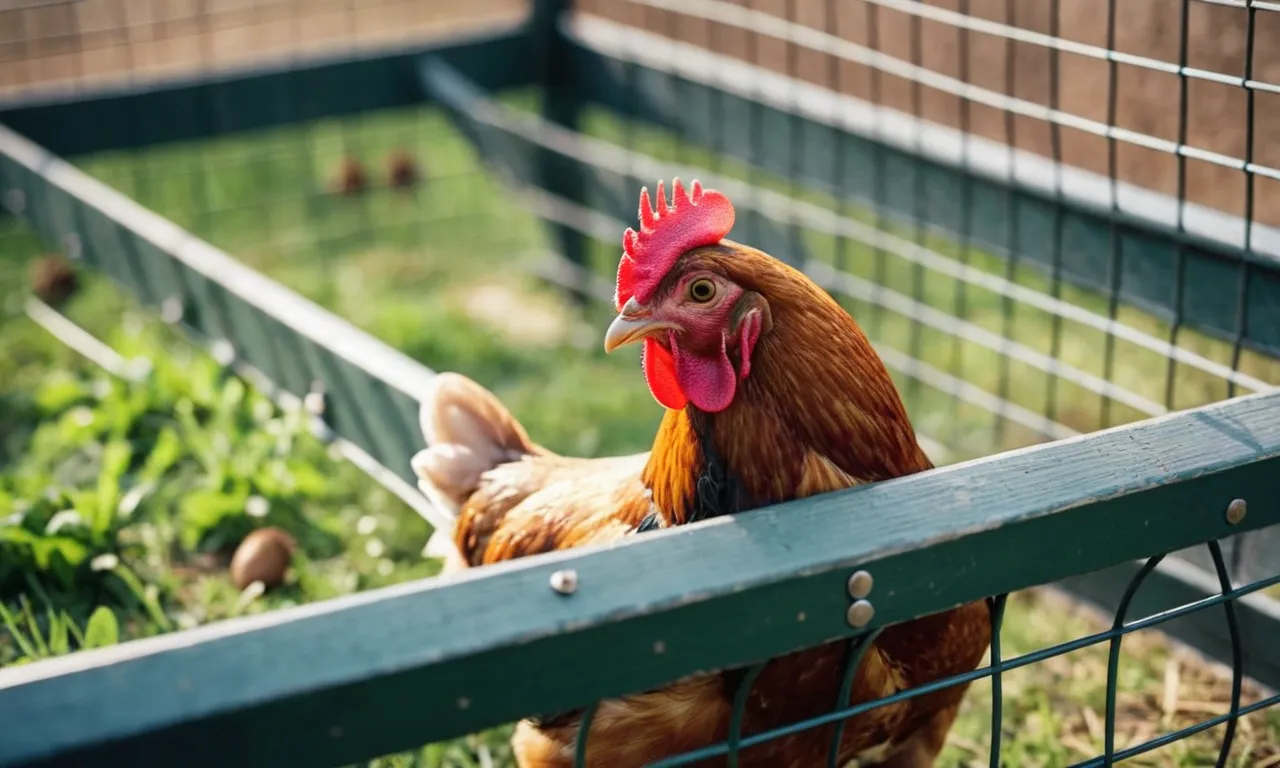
point(509, 497)
point(772, 393)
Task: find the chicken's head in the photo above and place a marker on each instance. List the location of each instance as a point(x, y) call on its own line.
point(699, 326)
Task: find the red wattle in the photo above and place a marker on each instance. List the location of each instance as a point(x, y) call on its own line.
point(708, 381)
point(660, 373)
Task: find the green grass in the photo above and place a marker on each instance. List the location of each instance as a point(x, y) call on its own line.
point(439, 271)
point(131, 495)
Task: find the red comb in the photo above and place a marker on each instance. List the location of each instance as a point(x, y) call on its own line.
point(701, 217)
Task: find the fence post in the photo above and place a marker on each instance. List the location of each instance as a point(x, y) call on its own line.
point(561, 104)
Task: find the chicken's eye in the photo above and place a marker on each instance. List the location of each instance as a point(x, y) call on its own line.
point(702, 290)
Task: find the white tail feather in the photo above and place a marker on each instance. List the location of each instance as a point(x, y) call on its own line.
point(468, 432)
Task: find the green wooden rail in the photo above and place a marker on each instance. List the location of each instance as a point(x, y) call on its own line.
point(386, 670)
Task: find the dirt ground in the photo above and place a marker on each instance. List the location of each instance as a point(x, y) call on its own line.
point(51, 42)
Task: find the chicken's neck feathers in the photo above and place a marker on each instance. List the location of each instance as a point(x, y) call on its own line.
point(817, 413)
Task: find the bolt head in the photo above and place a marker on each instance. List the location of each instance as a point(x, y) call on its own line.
point(860, 584)
point(1236, 511)
point(860, 614)
point(565, 582)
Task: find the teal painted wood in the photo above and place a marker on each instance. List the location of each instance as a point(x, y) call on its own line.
point(505, 139)
point(367, 674)
point(371, 389)
point(1176, 582)
point(715, 102)
point(217, 104)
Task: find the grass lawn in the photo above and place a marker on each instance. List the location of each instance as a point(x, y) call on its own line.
point(127, 496)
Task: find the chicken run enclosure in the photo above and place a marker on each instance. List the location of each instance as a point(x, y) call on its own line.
point(1057, 222)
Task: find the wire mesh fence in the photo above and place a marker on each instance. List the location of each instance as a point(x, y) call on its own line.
point(1044, 304)
point(1051, 218)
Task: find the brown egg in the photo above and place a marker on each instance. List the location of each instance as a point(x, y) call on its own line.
point(351, 177)
point(402, 171)
point(263, 556)
point(52, 279)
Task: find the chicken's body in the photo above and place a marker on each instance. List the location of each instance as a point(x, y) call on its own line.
point(817, 413)
point(509, 496)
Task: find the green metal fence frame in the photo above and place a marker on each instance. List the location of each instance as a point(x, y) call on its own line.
point(395, 668)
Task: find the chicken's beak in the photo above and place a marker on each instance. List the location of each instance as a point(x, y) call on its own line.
point(632, 324)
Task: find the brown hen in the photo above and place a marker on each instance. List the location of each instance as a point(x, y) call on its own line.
point(772, 393)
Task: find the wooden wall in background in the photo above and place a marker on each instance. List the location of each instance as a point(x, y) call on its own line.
point(85, 40)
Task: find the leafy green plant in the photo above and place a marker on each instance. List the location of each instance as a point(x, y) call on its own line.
point(186, 442)
point(131, 494)
point(58, 634)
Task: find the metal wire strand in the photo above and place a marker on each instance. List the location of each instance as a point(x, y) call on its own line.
point(1059, 217)
point(740, 699)
point(961, 295)
point(1242, 292)
point(584, 735)
point(1180, 265)
point(881, 174)
point(1237, 655)
point(995, 606)
point(1113, 660)
point(856, 651)
point(1008, 309)
point(1115, 263)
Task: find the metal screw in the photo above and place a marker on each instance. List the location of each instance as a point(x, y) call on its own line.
point(860, 614)
point(1236, 511)
point(71, 245)
point(565, 582)
point(171, 310)
point(860, 584)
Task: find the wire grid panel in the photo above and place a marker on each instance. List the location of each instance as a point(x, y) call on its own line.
point(833, 725)
point(1064, 322)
